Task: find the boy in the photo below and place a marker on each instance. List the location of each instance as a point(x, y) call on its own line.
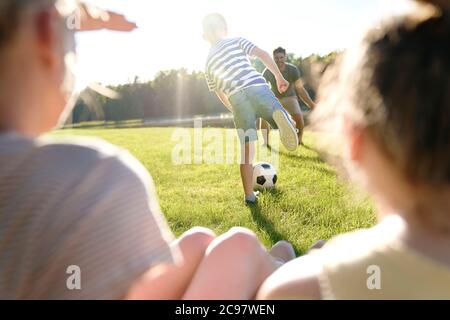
point(245, 92)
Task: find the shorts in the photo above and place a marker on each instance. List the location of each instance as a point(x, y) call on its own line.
point(291, 105)
point(252, 103)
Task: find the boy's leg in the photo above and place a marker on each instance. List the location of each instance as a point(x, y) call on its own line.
point(270, 109)
point(234, 267)
point(247, 156)
point(245, 122)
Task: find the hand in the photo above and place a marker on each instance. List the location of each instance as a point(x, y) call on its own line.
point(282, 85)
point(93, 18)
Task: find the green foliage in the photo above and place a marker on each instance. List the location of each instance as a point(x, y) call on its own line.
point(172, 94)
point(175, 94)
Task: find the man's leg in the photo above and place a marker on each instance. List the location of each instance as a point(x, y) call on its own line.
point(292, 105)
point(265, 130)
point(300, 124)
point(234, 267)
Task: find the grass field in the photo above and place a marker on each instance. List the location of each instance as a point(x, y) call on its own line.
point(308, 204)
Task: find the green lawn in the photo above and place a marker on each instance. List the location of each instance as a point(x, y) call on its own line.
point(308, 204)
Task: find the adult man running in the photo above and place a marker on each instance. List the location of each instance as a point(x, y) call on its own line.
point(288, 98)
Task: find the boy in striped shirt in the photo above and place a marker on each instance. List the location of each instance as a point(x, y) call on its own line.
point(245, 92)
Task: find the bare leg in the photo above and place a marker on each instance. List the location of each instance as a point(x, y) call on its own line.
point(265, 130)
point(170, 282)
point(300, 124)
point(234, 267)
point(247, 155)
point(292, 105)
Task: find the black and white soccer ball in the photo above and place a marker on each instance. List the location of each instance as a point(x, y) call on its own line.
point(264, 176)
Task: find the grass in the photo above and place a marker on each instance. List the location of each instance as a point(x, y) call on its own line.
point(308, 204)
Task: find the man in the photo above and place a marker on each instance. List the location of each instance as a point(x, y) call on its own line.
point(288, 98)
point(79, 218)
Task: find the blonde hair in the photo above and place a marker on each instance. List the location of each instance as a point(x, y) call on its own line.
point(214, 23)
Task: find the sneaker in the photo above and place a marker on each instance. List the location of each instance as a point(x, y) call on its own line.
point(319, 244)
point(288, 133)
point(283, 252)
point(252, 200)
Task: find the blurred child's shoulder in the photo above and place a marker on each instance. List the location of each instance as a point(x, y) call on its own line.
point(364, 243)
point(353, 265)
point(83, 154)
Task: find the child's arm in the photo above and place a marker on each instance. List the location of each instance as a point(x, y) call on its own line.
point(282, 83)
point(222, 97)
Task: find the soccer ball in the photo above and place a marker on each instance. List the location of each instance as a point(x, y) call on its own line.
point(264, 176)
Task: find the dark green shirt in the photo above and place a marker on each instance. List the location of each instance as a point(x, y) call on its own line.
point(291, 73)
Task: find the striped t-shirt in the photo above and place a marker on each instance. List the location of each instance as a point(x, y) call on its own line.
point(79, 219)
point(228, 66)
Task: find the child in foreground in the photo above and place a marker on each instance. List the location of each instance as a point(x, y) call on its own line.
point(392, 100)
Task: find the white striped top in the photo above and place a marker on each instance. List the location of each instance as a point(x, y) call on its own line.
point(228, 66)
point(77, 203)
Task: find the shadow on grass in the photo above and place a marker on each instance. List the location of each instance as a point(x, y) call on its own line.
point(265, 224)
point(329, 172)
point(307, 147)
point(317, 160)
point(274, 193)
point(314, 159)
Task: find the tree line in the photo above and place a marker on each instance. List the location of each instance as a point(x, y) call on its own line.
point(176, 94)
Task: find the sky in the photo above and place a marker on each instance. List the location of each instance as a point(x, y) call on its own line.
point(170, 35)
